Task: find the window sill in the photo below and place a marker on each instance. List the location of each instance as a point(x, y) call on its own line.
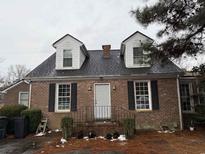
point(62, 111)
point(136, 65)
point(143, 110)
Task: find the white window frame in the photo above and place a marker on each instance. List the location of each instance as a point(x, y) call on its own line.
point(190, 97)
point(149, 94)
point(57, 96)
point(143, 64)
point(71, 58)
point(19, 99)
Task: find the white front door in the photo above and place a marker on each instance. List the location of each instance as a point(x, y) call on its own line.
point(102, 104)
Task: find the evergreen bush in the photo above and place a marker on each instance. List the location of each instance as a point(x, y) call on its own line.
point(34, 116)
point(67, 127)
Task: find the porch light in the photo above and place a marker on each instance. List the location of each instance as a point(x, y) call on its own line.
point(114, 88)
point(90, 88)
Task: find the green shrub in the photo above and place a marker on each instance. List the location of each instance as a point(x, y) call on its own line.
point(129, 127)
point(67, 127)
point(34, 116)
point(13, 110)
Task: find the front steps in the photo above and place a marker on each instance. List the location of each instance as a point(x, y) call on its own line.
point(101, 128)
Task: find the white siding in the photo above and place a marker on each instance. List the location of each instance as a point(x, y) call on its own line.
point(82, 58)
point(70, 44)
point(134, 41)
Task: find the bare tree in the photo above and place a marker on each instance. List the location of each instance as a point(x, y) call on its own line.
point(16, 72)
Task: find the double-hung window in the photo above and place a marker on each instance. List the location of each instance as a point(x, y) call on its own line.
point(23, 98)
point(63, 97)
point(185, 97)
point(67, 58)
point(142, 95)
point(139, 58)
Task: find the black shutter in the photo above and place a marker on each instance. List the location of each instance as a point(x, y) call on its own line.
point(51, 99)
point(131, 98)
point(74, 97)
point(155, 97)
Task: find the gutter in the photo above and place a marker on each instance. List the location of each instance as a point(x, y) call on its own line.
point(179, 104)
point(105, 77)
point(29, 102)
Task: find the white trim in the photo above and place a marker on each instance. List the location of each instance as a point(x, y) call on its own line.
point(149, 93)
point(19, 99)
point(29, 102)
point(56, 98)
point(15, 84)
point(129, 77)
point(109, 94)
point(134, 34)
point(67, 67)
point(179, 105)
point(190, 94)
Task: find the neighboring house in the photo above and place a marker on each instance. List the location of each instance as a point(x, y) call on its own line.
point(16, 93)
point(92, 85)
point(192, 91)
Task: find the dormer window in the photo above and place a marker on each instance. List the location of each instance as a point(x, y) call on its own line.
point(139, 58)
point(133, 53)
point(67, 58)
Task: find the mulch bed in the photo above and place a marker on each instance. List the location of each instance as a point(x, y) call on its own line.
point(143, 143)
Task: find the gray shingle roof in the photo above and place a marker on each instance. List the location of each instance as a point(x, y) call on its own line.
point(96, 65)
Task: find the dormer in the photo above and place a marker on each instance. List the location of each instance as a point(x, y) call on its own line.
point(70, 53)
point(132, 51)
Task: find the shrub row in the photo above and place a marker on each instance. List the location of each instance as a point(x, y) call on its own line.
point(12, 111)
point(34, 116)
point(15, 110)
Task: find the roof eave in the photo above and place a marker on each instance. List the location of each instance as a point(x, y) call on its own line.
point(134, 34)
point(64, 37)
point(13, 85)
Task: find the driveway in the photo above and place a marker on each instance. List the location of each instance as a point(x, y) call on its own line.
point(27, 145)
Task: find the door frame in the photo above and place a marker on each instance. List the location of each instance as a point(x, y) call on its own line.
point(94, 102)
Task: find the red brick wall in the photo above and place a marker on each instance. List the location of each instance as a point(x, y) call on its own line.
point(168, 112)
point(12, 95)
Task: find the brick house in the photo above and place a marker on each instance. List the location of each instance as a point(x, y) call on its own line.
point(92, 85)
point(16, 93)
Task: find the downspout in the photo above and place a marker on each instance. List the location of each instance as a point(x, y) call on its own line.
point(179, 103)
point(30, 87)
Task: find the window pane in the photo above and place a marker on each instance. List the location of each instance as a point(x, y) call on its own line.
point(67, 62)
point(64, 97)
point(67, 58)
point(23, 98)
point(142, 95)
point(138, 57)
point(185, 97)
point(67, 54)
point(138, 51)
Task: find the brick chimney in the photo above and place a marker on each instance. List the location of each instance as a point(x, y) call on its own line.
point(106, 51)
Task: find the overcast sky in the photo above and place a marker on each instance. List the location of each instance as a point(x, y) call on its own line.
point(28, 28)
